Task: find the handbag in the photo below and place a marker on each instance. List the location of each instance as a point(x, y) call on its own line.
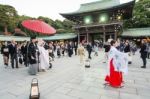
point(20, 60)
point(6, 50)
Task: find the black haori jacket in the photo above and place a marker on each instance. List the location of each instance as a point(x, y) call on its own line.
point(33, 53)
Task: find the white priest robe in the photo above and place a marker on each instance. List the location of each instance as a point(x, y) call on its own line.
point(117, 64)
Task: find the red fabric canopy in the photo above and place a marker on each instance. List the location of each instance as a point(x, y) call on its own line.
point(38, 26)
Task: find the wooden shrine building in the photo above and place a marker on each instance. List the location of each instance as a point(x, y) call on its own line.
point(100, 20)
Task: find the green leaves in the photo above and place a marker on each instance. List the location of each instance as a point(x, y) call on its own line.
point(8, 16)
point(9, 19)
point(141, 15)
point(64, 26)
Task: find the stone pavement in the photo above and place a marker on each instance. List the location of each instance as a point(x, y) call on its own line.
point(69, 80)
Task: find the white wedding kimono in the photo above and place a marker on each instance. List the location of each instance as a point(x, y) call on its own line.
point(43, 58)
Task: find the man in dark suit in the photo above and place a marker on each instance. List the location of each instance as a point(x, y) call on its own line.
point(13, 53)
point(127, 50)
point(127, 47)
point(70, 49)
point(143, 53)
point(89, 49)
point(75, 47)
point(24, 52)
point(33, 56)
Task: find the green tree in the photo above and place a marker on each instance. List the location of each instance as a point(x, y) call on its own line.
point(19, 25)
point(20, 19)
point(64, 26)
point(8, 16)
point(9, 19)
point(141, 15)
point(58, 24)
point(47, 20)
point(68, 25)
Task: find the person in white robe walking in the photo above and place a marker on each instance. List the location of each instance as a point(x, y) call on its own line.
point(43, 57)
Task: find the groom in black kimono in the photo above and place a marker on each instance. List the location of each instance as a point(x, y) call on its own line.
point(33, 56)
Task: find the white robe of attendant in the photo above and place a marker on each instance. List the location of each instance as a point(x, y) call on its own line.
point(43, 58)
point(120, 60)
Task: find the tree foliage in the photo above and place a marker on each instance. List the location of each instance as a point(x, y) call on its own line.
point(141, 15)
point(60, 26)
point(47, 20)
point(10, 19)
point(8, 16)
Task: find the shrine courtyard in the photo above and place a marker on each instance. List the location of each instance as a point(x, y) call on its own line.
point(69, 80)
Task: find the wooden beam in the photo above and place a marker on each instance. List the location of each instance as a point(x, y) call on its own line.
point(104, 34)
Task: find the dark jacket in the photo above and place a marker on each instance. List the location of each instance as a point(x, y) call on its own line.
point(89, 48)
point(75, 45)
point(12, 49)
point(24, 49)
point(5, 50)
point(107, 47)
point(33, 52)
point(127, 48)
point(70, 48)
point(143, 51)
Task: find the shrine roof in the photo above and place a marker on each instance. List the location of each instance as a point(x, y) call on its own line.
point(136, 32)
point(98, 5)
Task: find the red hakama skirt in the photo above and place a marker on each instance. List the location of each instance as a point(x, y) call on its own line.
point(115, 77)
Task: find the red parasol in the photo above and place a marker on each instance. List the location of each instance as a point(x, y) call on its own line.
point(38, 26)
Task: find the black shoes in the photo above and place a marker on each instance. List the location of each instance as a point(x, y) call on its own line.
point(143, 66)
point(129, 62)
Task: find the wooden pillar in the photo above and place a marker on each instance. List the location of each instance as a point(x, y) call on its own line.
point(104, 34)
point(77, 27)
point(115, 35)
point(87, 35)
point(78, 37)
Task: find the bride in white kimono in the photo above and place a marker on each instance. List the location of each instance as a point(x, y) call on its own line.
point(43, 57)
